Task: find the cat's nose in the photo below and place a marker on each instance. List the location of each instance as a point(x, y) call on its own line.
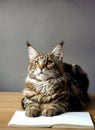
point(41, 66)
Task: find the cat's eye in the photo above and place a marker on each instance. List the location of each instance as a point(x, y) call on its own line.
point(36, 62)
point(49, 62)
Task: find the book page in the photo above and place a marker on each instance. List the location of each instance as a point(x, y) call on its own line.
point(65, 120)
point(20, 119)
point(73, 118)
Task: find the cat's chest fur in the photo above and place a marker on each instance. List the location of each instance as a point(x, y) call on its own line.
point(47, 87)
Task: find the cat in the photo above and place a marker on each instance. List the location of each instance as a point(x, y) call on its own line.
point(52, 86)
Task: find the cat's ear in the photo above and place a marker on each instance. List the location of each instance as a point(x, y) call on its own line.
point(32, 52)
point(58, 51)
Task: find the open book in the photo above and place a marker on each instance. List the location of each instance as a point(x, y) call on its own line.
point(65, 120)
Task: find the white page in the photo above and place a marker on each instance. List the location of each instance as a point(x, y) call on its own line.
point(19, 119)
point(73, 118)
point(68, 118)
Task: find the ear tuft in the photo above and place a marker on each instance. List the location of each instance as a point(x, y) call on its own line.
point(61, 43)
point(28, 44)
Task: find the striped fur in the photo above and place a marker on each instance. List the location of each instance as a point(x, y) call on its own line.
point(53, 87)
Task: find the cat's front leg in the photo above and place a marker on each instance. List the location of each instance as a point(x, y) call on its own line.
point(53, 109)
point(32, 110)
point(48, 110)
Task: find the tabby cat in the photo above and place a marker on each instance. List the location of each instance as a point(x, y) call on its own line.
point(53, 87)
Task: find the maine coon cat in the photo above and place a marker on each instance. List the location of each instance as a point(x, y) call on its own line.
point(52, 86)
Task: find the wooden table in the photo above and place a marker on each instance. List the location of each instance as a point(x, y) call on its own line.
point(10, 102)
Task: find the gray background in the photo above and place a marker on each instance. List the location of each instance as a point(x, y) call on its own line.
point(45, 23)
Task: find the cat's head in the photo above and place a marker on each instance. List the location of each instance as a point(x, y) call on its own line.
point(45, 66)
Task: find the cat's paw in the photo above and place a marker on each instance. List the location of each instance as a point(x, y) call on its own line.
point(32, 111)
point(48, 112)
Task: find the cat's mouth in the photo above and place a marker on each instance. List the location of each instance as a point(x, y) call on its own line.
point(41, 72)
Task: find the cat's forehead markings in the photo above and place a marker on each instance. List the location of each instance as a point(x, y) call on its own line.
point(42, 57)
